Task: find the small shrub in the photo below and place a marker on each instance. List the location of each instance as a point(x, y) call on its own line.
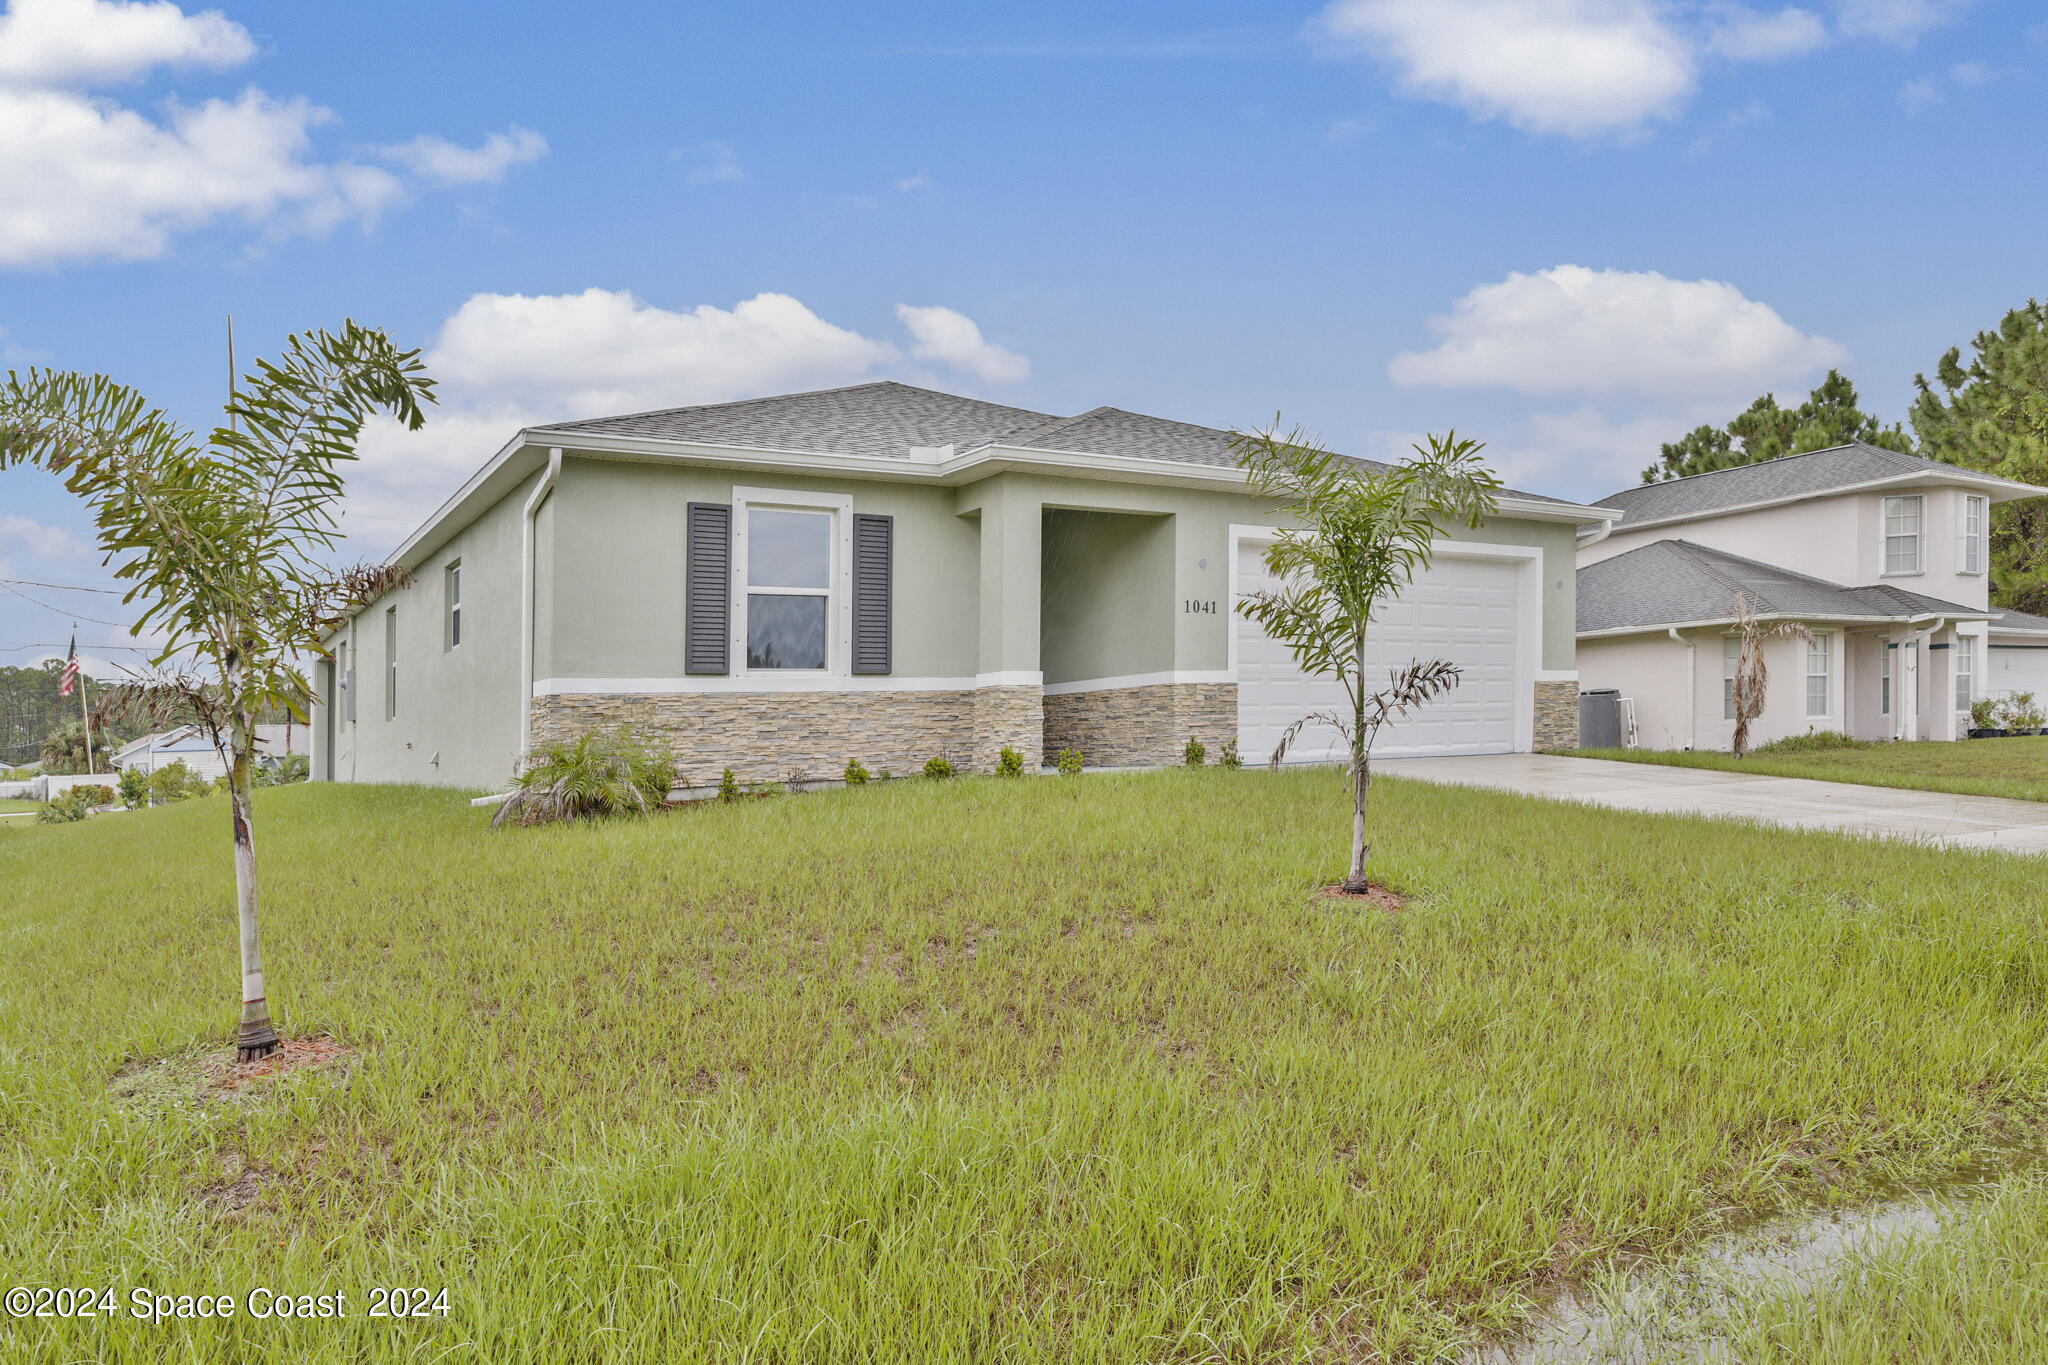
point(937, 769)
point(134, 788)
point(856, 776)
point(1984, 714)
point(728, 786)
point(1193, 753)
point(1009, 763)
point(287, 769)
point(2017, 711)
point(599, 775)
point(74, 805)
point(174, 782)
point(1069, 762)
point(796, 781)
point(1813, 741)
point(1228, 758)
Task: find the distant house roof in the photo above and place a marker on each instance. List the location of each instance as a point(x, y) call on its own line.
point(2020, 621)
point(1789, 478)
point(1678, 583)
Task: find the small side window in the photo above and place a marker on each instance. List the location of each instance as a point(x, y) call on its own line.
point(452, 577)
point(391, 663)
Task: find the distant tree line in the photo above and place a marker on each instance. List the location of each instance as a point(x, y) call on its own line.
point(1990, 414)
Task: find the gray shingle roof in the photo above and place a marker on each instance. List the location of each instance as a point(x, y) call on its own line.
point(882, 419)
point(2020, 620)
point(1790, 476)
point(1672, 582)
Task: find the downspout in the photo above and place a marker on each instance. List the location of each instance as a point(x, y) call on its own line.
point(1692, 687)
point(1606, 530)
point(526, 596)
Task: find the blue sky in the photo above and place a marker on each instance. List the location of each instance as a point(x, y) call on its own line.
point(1572, 228)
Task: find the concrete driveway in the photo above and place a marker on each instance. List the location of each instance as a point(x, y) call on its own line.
point(1892, 812)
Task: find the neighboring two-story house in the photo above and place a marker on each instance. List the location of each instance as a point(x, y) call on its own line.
point(1883, 556)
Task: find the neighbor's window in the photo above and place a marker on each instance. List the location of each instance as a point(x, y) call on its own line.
point(789, 587)
point(1970, 538)
point(1817, 676)
point(1902, 521)
point(1884, 677)
point(391, 663)
point(454, 580)
point(1966, 671)
point(1731, 654)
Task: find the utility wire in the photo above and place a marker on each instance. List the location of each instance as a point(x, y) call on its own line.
point(65, 587)
point(98, 621)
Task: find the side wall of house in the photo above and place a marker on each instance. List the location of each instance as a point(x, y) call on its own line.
point(456, 718)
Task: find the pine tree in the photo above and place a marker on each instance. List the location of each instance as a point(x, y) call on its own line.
point(1993, 415)
point(1830, 416)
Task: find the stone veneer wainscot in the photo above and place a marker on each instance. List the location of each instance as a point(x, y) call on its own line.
point(1557, 715)
point(1137, 727)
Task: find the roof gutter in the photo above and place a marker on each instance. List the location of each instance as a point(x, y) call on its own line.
point(1989, 483)
point(526, 596)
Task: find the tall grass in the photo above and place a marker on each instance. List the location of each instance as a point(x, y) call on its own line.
point(1042, 1070)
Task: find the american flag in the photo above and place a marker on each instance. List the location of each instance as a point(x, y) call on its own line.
point(70, 674)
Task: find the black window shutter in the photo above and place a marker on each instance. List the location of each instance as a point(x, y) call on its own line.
point(707, 587)
point(872, 592)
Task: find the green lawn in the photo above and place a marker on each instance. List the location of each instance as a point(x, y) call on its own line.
point(2016, 767)
point(1046, 1070)
point(9, 805)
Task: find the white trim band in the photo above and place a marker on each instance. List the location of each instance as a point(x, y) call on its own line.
point(765, 682)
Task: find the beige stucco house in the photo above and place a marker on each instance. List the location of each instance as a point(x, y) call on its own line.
point(1884, 556)
point(890, 574)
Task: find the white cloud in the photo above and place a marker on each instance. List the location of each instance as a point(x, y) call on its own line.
point(441, 162)
point(39, 540)
point(64, 42)
point(605, 351)
point(1744, 34)
point(1899, 21)
point(1919, 93)
point(1581, 68)
point(111, 183)
point(721, 165)
point(1346, 131)
point(905, 184)
point(1570, 329)
point(952, 339)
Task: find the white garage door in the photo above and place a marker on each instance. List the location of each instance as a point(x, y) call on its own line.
point(2018, 668)
point(1462, 610)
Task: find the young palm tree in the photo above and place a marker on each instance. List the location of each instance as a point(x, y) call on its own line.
point(1361, 535)
point(217, 542)
point(1750, 673)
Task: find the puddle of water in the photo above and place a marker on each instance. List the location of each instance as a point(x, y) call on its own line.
point(1646, 1313)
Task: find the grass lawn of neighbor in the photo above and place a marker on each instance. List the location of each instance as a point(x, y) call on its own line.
point(1053, 1069)
point(2015, 766)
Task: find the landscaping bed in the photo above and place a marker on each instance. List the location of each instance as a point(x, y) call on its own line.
point(2013, 766)
point(1044, 1069)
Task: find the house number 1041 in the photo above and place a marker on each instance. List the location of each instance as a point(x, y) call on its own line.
point(1198, 607)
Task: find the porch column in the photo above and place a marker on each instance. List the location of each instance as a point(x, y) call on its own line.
point(1009, 694)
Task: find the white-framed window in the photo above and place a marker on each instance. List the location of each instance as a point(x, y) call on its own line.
point(1885, 654)
point(1966, 671)
point(452, 578)
point(391, 663)
point(1817, 654)
point(1731, 655)
point(1970, 534)
point(1904, 519)
point(792, 577)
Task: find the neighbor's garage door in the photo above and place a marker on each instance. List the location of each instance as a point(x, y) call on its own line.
point(1462, 610)
point(2018, 668)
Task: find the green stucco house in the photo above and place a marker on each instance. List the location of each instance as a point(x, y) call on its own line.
point(890, 573)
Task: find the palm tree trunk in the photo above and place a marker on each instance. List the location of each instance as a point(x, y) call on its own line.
point(1361, 778)
point(256, 1038)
